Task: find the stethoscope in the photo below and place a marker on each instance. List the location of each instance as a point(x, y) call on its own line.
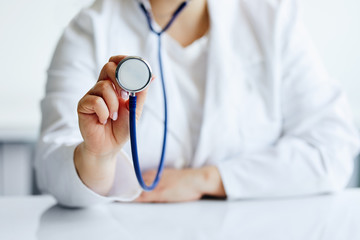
point(133, 74)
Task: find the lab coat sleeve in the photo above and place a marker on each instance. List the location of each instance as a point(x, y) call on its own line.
point(71, 74)
point(319, 142)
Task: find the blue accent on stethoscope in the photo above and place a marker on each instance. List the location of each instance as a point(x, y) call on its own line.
point(132, 106)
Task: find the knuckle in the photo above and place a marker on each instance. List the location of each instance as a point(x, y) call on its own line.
point(111, 59)
point(81, 102)
point(105, 87)
point(108, 66)
point(97, 101)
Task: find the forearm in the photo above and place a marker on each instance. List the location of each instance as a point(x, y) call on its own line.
point(96, 172)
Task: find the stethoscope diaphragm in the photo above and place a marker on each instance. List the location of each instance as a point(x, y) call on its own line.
point(133, 74)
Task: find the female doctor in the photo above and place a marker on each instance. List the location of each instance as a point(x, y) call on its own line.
point(251, 111)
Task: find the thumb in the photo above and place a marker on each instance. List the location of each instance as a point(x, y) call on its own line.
point(141, 96)
point(140, 101)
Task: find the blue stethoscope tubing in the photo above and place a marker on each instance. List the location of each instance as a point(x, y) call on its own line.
point(132, 107)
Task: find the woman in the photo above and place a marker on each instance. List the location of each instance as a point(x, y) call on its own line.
point(252, 112)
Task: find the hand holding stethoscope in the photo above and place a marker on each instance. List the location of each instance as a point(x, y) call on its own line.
point(133, 75)
point(104, 124)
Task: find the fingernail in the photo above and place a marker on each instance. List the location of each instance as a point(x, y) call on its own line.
point(115, 116)
point(124, 95)
point(105, 122)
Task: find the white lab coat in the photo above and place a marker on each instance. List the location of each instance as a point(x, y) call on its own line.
point(274, 123)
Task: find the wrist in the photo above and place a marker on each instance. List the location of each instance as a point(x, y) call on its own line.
point(96, 171)
point(210, 182)
point(89, 163)
point(87, 153)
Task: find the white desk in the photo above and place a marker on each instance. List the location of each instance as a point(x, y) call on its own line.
point(322, 217)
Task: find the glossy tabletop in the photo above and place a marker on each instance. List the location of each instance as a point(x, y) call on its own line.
point(321, 217)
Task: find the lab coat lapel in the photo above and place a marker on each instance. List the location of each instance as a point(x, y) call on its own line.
point(226, 87)
point(211, 137)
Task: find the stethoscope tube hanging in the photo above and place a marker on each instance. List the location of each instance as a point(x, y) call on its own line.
point(133, 74)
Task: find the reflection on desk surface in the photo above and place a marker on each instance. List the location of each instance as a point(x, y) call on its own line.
point(322, 217)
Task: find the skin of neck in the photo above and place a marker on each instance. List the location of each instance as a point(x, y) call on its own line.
point(191, 24)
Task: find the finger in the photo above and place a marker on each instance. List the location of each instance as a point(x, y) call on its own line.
point(117, 59)
point(154, 195)
point(141, 97)
point(124, 94)
point(108, 72)
point(140, 198)
point(91, 104)
point(146, 197)
point(149, 176)
point(109, 69)
point(105, 89)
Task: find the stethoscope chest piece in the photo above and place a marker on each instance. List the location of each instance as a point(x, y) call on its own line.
point(133, 74)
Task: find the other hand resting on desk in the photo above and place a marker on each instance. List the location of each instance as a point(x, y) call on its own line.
point(181, 185)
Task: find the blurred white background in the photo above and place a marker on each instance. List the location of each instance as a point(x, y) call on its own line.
point(29, 31)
